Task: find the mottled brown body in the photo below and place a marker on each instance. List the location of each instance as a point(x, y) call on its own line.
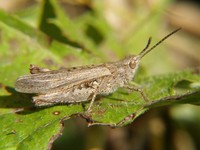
point(75, 84)
point(78, 84)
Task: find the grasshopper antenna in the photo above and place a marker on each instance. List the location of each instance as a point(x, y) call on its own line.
point(146, 50)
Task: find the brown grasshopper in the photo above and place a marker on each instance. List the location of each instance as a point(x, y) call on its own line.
point(79, 84)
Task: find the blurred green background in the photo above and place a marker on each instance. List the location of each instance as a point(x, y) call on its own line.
point(70, 33)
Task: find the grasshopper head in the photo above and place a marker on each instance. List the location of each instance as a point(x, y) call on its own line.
point(133, 61)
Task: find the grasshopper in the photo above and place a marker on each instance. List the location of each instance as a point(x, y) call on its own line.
point(84, 83)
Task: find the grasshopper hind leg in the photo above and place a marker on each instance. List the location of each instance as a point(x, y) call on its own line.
point(42, 102)
point(61, 96)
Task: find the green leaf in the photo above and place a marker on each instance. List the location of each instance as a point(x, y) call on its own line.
point(22, 128)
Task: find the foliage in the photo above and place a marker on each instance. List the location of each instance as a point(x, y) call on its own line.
point(58, 42)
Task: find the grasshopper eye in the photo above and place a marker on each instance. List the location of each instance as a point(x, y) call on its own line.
point(132, 64)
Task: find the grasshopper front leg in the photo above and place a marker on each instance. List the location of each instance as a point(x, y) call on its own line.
point(137, 89)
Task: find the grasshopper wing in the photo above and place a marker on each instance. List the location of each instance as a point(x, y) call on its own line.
point(42, 82)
